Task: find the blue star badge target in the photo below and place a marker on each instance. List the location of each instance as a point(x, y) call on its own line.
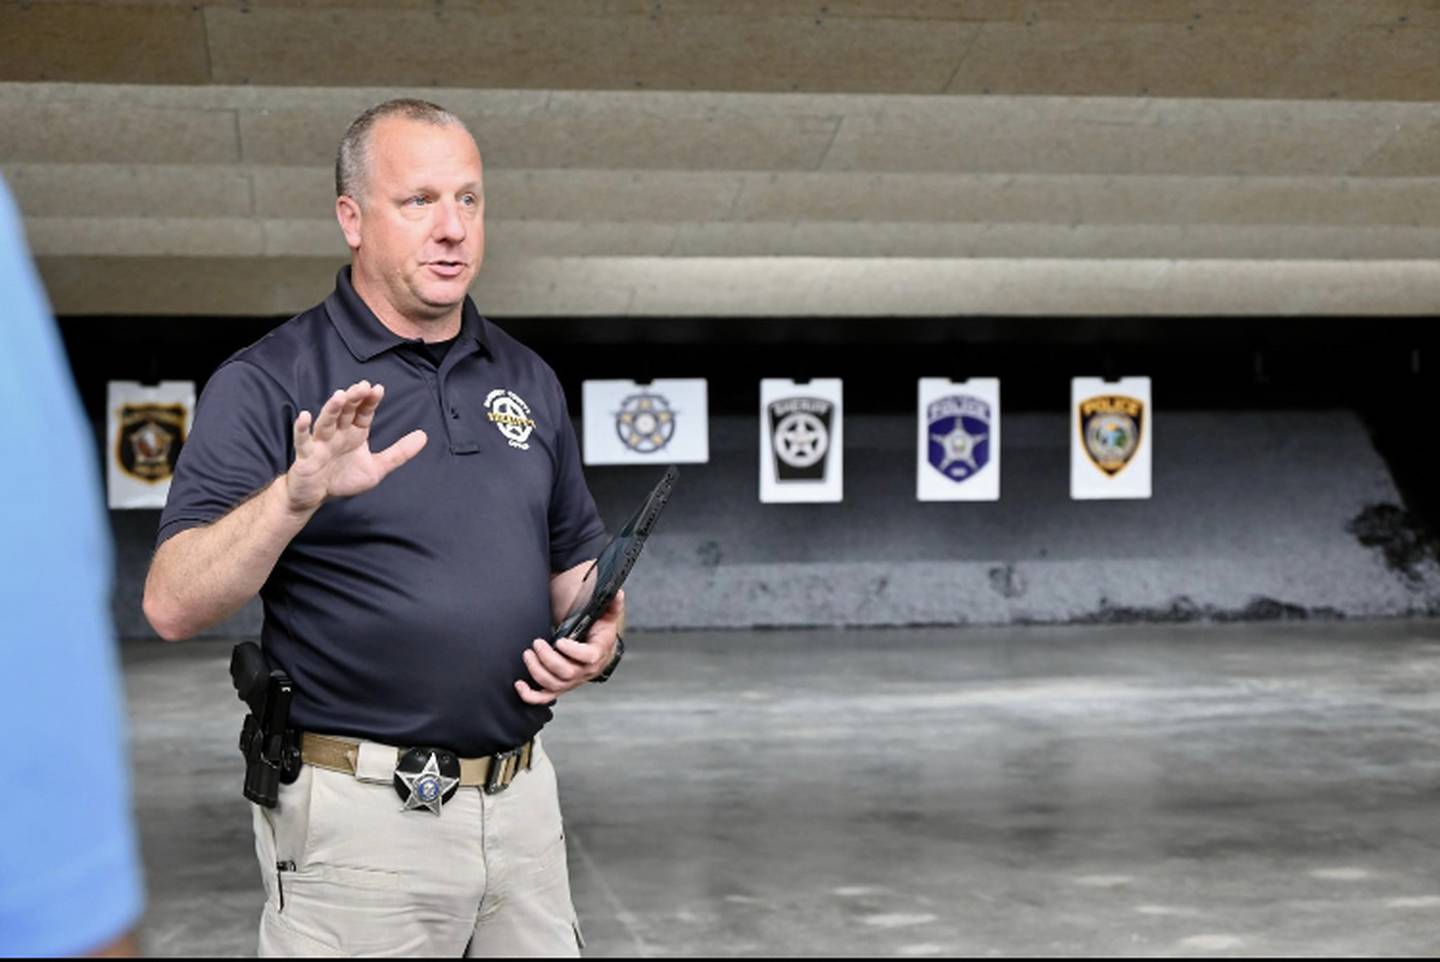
point(958, 446)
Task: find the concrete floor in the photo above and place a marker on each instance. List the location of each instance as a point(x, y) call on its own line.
point(1140, 790)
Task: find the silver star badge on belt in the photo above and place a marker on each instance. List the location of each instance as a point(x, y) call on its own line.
point(426, 787)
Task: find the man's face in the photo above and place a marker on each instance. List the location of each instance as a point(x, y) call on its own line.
point(418, 232)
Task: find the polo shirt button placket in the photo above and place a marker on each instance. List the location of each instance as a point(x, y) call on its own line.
point(460, 441)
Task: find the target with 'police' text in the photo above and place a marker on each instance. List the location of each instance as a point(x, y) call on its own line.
point(1112, 437)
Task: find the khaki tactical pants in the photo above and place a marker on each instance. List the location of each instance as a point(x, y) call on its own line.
point(348, 873)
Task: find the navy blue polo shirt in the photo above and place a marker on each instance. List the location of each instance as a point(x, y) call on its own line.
point(401, 613)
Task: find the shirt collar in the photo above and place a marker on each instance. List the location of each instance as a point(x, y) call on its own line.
point(367, 338)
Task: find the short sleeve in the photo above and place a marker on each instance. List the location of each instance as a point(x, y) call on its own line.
point(241, 440)
point(576, 532)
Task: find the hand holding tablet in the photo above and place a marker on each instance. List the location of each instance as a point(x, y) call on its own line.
point(605, 577)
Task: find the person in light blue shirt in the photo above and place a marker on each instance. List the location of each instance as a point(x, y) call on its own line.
point(69, 867)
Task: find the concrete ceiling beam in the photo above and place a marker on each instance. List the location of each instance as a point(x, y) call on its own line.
point(246, 237)
point(648, 196)
point(77, 123)
point(1382, 50)
point(663, 287)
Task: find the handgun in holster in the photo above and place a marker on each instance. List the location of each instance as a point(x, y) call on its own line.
point(270, 746)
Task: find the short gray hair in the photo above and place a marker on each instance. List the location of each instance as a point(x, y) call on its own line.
point(353, 157)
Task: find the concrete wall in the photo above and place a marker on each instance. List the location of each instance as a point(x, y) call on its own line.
point(1255, 515)
point(1324, 49)
point(797, 157)
point(972, 160)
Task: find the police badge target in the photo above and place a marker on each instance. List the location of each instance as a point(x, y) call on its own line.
point(801, 440)
point(627, 422)
point(146, 427)
point(1111, 438)
point(958, 446)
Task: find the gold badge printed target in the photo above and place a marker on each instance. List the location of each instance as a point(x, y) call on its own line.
point(645, 423)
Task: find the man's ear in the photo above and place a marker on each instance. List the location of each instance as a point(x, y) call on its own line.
point(347, 212)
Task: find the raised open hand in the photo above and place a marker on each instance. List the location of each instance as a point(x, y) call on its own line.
point(333, 457)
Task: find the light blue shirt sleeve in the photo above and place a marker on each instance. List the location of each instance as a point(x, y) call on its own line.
point(69, 869)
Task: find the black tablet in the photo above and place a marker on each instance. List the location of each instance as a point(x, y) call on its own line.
point(610, 569)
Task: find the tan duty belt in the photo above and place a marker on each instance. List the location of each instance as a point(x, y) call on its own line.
point(493, 773)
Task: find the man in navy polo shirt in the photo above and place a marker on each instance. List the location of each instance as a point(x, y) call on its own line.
point(399, 481)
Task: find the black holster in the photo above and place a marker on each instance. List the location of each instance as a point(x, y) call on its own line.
point(270, 746)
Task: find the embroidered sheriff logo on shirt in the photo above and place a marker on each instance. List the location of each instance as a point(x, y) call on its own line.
point(509, 413)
